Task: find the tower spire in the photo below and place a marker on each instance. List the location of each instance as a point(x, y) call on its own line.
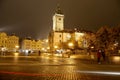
point(58, 10)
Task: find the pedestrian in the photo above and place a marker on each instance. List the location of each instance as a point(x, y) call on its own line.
point(103, 54)
point(99, 56)
point(39, 52)
point(29, 52)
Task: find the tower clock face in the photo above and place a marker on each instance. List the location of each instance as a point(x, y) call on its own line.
point(59, 18)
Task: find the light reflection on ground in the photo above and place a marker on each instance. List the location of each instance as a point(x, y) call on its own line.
point(100, 72)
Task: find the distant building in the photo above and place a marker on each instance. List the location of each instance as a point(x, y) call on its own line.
point(31, 45)
point(3, 39)
point(11, 43)
point(45, 46)
point(59, 38)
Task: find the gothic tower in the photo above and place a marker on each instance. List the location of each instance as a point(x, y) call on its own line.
point(58, 20)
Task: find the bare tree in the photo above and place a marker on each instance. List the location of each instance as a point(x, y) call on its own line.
point(102, 37)
point(115, 38)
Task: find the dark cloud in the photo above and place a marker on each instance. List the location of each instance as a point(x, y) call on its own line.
point(34, 17)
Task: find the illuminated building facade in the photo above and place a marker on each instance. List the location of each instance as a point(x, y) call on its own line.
point(10, 43)
point(31, 45)
point(45, 46)
point(58, 37)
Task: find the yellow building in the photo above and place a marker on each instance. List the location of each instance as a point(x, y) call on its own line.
point(11, 43)
point(31, 45)
point(59, 38)
point(45, 46)
point(3, 39)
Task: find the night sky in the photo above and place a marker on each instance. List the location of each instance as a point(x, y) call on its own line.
point(34, 17)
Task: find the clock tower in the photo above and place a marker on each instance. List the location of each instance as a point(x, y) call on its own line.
point(58, 20)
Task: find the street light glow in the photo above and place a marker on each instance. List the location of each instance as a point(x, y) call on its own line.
point(17, 46)
point(100, 72)
point(48, 47)
point(55, 47)
point(92, 47)
point(16, 54)
point(70, 44)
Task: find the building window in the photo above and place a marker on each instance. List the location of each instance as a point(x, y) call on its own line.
point(59, 29)
point(60, 41)
point(60, 35)
point(59, 18)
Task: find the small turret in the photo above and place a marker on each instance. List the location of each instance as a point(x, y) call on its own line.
point(58, 10)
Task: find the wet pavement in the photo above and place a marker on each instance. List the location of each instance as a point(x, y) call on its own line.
point(53, 68)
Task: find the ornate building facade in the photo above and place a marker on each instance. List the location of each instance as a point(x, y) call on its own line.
point(59, 38)
point(31, 45)
point(10, 43)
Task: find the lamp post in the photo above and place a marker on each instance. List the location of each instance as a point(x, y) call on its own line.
point(55, 48)
point(16, 48)
point(70, 45)
point(48, 49)
point(3, 50)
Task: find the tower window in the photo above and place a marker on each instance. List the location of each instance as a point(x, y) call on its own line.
point(59, 18)
point(60, 35)
point(59, 29)
point(60, 41)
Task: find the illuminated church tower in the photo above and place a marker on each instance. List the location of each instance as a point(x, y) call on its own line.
point(58, 20)
point(59, 37)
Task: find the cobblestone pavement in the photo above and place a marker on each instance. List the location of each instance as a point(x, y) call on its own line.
point(70, 76)
point(35, 68)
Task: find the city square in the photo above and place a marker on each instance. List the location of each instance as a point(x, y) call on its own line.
point(59, 40)
point(55, 68)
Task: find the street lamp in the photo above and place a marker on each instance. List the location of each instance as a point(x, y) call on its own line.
point(16, 48)
point(92, 47)
point(48, 49)
point(70, 45)
point(55, 47)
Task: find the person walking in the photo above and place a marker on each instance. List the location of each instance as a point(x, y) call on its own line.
point(103, 54)
point(39, 52)
point(99, 56)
